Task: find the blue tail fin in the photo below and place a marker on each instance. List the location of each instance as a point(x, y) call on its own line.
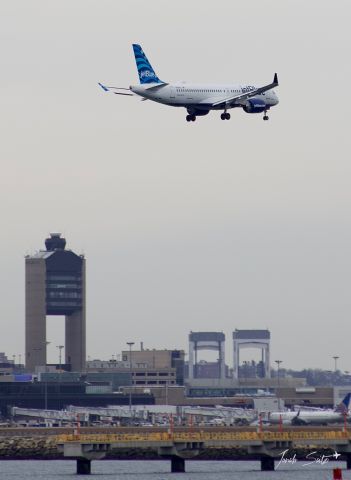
point(145, 70)
point(343, 407)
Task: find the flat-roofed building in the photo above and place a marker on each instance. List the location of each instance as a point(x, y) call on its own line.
point(161, 365)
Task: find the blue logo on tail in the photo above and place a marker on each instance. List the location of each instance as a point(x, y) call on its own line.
point(145, 70)
point(343, 407)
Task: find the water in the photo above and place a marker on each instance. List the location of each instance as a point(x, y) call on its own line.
point(160, 470)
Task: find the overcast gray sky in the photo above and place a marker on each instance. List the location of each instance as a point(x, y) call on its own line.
point(204, 226)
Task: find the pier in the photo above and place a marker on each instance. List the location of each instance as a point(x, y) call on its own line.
point(178, 446)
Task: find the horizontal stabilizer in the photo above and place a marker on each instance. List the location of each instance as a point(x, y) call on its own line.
point(103, 87)
point(157, 86)
point(108, 89)
point(121, 93)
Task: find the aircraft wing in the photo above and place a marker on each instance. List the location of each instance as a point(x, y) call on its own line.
point(298, 420)
point(119, 90)
point(244, 96)
point(305, 408)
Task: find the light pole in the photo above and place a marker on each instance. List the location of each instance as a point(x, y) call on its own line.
point(166, 388)
point(46, 343)
point(37, 350)
point(60, 347)
point(336, 358)
point(131, 378)
point(278, 362)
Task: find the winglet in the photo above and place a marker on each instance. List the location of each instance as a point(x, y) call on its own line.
point(103, 87)
point(275, 80)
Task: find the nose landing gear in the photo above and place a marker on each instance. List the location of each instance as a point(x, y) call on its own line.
point(265, 116)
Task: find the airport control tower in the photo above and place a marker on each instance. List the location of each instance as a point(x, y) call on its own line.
point(55, 285)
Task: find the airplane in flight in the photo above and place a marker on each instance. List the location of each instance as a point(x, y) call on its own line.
point(198, 99)
point(313, 417)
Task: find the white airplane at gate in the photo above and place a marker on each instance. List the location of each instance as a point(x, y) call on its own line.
point(313, 417)
point(198, 99)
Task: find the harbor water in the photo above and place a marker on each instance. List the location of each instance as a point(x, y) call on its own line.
point(160, 470)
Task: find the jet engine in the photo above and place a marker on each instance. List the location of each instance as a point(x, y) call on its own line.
point(197, 111)
point(255, 105)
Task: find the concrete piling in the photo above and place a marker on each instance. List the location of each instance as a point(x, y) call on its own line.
point(267, 464)
point(83, 466)
point(177, 464)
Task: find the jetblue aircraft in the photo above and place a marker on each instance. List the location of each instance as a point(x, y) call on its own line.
point(313, 417)
point(198, 99)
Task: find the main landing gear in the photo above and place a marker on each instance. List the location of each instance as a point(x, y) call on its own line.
point(190, 118)
point(225, 116)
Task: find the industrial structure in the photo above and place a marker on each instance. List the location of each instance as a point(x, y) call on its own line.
point(55, 285)
point(251, 339)
point(206, 341)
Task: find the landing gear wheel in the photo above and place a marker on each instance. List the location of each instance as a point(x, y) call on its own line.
point(223, 116)
point(266, 117)
point(227, 116)
point(190, 118)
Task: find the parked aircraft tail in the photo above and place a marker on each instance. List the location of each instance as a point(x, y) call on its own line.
point(343, 407)
point(146, 72)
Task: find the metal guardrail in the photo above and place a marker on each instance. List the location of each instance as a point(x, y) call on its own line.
point(202, 436)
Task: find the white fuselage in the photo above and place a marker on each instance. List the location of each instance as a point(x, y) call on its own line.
point(200, 96)
point(307, 417)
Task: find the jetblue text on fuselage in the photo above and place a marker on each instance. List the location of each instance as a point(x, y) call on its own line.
point(248, 88)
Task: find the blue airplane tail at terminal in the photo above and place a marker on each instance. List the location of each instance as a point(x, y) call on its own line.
point(344, 405)
point(146, 72)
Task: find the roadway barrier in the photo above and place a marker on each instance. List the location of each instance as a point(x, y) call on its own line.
point(203, 436)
